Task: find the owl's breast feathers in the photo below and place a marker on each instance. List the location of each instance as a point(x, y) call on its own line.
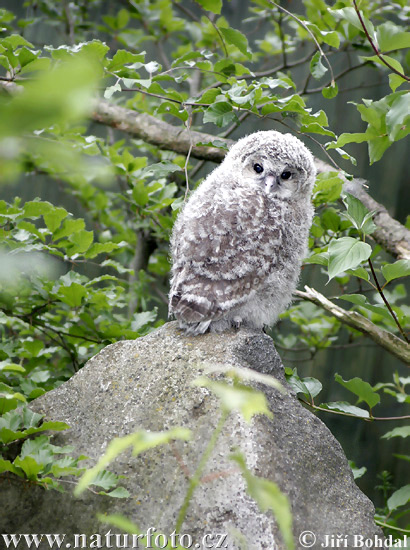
point(224, 248)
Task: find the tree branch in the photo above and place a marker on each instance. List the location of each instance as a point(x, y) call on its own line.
point(384, 338)
point(157, 132)
point(390, 234)
point(374, 47)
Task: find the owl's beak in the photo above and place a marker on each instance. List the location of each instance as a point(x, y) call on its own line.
point(269, 183)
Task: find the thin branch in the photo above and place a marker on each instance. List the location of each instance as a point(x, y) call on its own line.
point(374, 47)
point(186, 11)
point(302, 24)
point(267, 72)
point(188, 127)
point(235, 125)
point(337, 77)
point(218, 32)
point(155, 131)
point(282, 39)
point(391, 526)
point(379, 289)
point(69, 23)
point(162, 54)
point(341, 413)
point(394, 345)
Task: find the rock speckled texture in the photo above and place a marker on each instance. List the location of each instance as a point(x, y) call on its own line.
point(147, 384)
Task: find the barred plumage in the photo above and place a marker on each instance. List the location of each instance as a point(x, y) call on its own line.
point(238, 243)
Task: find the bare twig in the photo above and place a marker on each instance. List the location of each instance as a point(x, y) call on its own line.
point(375, 48)
point(379, 289)
point(188, 127)
point(366, 419)
point(394, 345)
point(302, 24)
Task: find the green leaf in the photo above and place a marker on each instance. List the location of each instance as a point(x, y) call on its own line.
point(82, 241)
point(56, 426)
point(362, 389)
point(34, 209)
point(268, 496)
point(346, 138)
point(62, 94)
point(160, 169)
point(313, 385)
point(322, 258)
point(357, 299)
point(16, 40)
point(398, 117)
point(123, 18)
point(349, 14)
point(100, 248)
point(403, 431)
point(238, 397)
point(391, 37)
point(220, 113)
point(31, 419)
point(317, 68)
point(72, 295)
point(401, 268)
point(29, 466)
point(357, 472)
point(5, 366)
point(346, 253)
point(139, 320)
point(172, 109)
point(330, 91)
point(330, 219)
point(214, 6)
point(54, 217)
point(69, 227)
point(110, 90)
point(395, 81)
point(296, 383)
point(359, 272)
point(7, 466)
point(329, 37)
point(27, 56)
point(343, 406)
point(106, 480)
point(328, 187)
point(377, 147)
point(118, 492)
point(399, 498)
point(359, 215)
point(237, 39)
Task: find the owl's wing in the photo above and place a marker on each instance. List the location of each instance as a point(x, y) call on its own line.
point(221, 255)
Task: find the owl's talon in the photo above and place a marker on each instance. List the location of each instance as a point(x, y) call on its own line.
point(237, 322)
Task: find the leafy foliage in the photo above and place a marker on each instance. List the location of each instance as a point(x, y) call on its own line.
point(38, 460)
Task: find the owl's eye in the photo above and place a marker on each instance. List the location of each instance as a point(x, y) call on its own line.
point(286, 175)
point(258, 168)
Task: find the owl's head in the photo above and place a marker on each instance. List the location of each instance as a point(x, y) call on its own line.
point(278, 164)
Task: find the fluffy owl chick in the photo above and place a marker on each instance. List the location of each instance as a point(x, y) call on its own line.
point(238, 244)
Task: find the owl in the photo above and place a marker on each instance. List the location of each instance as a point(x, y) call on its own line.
point(238, 243)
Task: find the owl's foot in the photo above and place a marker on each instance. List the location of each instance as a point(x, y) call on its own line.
point(237, 322)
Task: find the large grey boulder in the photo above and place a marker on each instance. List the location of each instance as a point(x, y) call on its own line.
point(147, 384)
